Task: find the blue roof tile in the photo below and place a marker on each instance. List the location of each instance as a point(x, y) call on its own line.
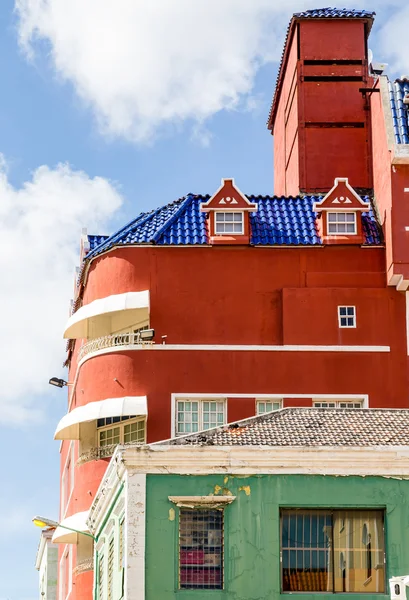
point(334, 13)
point(400, 111)
point(96, 240)
point(278, 221)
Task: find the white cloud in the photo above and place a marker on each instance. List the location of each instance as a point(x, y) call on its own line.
point(147, 65)
point(394, 42)
point(40, 226)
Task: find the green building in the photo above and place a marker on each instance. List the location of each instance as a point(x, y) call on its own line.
point(305, 501)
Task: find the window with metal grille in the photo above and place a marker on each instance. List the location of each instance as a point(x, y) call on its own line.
point(346, 316)
point(339, 404)
point(111, 548)
point(201, 549)
point(334, 551)
point(264, 406)
point(229, 222)
point(101, 577)
point(120, 430)
point(121, 555)
point(341, 222)
point(196, 415)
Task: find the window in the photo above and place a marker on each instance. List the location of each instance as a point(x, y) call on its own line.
point(332, 551)
point(120, 430)
point(101, 577)
point(339, 404)
point(346, 316)
point(65, 578)
point(200, 549)
point(341, 222)
point(196, 415)
point(229, 222)
point(67, 482)
point(111, 569)
point(264, 406)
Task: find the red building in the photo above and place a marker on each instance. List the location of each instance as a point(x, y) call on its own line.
point(213, 308)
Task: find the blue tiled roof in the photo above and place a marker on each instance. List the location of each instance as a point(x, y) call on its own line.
point(400, 112)
point(317, 13)
point(334, 13)
point(96, 240)
point(278, 221)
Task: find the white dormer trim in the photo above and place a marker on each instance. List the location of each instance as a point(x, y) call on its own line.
point(227, 206)
point(344, 205)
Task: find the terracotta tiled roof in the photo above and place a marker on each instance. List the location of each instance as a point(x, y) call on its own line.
point(309, 427)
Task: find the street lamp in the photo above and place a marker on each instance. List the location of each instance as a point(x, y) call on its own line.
point(43, 522)
point(58, 382)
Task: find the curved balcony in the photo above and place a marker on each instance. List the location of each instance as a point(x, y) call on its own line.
point(113, 313)
point(101, 452)
point(113, 341)
point(84, 565)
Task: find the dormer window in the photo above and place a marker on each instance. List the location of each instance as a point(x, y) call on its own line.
point(228, 215)
point(341, 223)
point(340, 214)
point(229, 222)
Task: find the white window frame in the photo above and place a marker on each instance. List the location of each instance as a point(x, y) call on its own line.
point(200, 401)
point(339, 221)
point(273, 401)
point(69, 461)
point(347, 316)
point(121, 425)
point(338, 403)
point(63, 574)
point(223, 222)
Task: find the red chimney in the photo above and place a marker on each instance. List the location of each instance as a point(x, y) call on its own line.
point(320, 114)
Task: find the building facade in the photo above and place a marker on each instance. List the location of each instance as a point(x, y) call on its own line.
point(47, 566)
point(258, 510)
point(219, 307)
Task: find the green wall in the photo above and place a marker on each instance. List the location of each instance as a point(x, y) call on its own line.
point(252, 545)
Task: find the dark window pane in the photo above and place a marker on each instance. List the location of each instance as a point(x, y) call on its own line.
point(200, 549)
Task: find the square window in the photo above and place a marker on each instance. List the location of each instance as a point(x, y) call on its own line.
point(192, 417)
point(341, 223)
point(333, 551)
point(229, 222)
point(264, 406)
point(338, 404)
point(201, 542)
point(346, 316)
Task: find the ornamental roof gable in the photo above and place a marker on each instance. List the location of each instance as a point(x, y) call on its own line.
point(342, 197)
point(227, 198)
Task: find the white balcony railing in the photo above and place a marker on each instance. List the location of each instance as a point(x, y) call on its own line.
point(112, 341)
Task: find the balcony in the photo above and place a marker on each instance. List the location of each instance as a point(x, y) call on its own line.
point(113, 313)
point(101, 452)
point(84, 565)
point(113, 341)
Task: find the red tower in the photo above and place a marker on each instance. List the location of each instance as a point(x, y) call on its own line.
point(319, 117)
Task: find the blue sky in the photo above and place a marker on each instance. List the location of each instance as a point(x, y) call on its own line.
point(131, 138)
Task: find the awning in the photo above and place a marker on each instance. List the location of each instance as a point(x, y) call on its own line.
point(77, 521)
point(69, 426)
point(108, 315)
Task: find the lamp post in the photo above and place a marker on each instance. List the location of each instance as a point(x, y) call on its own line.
point(57, 382)
point(43, 522)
